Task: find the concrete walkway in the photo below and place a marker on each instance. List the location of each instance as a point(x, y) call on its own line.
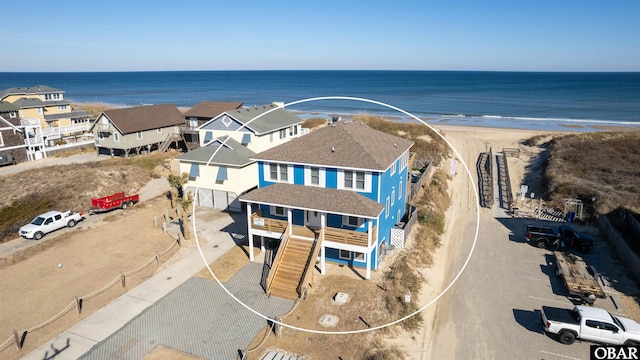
point(195, 316)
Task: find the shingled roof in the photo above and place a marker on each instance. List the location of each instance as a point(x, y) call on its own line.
point(38, 89)
point(350, 144)
point(342, 202)
point(232, 153)
point(275, 117)
point(211, 109)
point(142, 118)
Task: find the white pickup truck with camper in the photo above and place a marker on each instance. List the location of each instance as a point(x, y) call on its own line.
point(48, 222)
point(591, 324)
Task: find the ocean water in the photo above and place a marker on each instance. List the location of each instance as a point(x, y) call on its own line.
point(506, 99)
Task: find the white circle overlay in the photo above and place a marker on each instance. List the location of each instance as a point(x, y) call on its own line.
point(444, 291)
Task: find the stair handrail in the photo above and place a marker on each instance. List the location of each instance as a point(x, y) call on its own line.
point(276, 261)
point(311, 263)
point(167, 140)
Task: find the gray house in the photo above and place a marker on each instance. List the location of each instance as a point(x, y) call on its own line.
point(129, 131)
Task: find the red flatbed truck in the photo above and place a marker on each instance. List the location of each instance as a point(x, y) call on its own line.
point(108, 203)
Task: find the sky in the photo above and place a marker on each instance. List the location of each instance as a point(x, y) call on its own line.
point(520, 35)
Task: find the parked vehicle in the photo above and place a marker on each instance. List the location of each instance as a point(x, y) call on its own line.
point(48, 222)
point(591, 324)
point(580, 279)
point(115, 201)
point(562, 237)
point(7, 159)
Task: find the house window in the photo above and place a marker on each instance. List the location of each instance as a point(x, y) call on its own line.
point(194, 172)
point(354, 180)
point(62, 107)
point(283, 134)
point(116, 136)
point(40, 111)
point(386, 208)
point(358, 256)
point(139, 135)
point(273, 172)
point(278, 172)
point(393, 168)
point(293, 131)
point(344, 254)
point(278, 211)
point(226, 121)
point(393, 197)
point(352, 221)
point(398, 218)
point(271, 137)
point(404, 160)
point(400, 190)
point(222, 175)
point(246, 139)
point(314, 176)
point(12, 114)
point(159, 130)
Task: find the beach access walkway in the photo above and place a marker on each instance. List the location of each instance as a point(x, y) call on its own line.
point(177, 310)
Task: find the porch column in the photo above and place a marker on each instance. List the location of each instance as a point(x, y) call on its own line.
point(262, 248)
point(370, 227)
point(322, 259)
point(290, 220)
point(249, 232)
point(367, 257)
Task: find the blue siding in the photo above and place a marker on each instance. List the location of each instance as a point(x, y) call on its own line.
point(332, 178)
point(297, 217)
point(298, 174)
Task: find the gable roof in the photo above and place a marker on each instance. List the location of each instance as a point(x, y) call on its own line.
point(276, 118)
point(344, 202)
point(211, 109)
point(38, 89)
point(142, 118)
point(350, 144)
point(232, 153)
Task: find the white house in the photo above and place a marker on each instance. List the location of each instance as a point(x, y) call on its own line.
point(234, 137)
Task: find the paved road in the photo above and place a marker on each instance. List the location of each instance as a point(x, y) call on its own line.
point(492, 311)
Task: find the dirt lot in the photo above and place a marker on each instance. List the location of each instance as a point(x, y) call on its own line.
point(79, 263)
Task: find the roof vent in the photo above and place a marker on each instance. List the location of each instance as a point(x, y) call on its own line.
point(395, 145)
point(333, 149)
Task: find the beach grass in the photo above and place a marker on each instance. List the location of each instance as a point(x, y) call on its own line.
point(604, 164)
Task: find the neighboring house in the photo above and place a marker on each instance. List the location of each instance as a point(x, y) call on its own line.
point(12, 139)
point(199, 115)
point(130, 131)
point(46, 105)
point(231, 172)
point(20, 139)
point(337, 192)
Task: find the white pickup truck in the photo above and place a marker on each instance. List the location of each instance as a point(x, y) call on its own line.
point(590, 323)
point(48, 222)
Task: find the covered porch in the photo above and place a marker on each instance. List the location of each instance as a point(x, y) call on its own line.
point(348, 231)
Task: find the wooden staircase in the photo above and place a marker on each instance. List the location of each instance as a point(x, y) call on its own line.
point(290, 266)
point(169, 139)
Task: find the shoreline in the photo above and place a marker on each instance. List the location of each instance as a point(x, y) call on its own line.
point(507, 123)
point(467, 121)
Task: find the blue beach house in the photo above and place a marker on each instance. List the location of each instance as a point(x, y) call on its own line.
point(335, 194)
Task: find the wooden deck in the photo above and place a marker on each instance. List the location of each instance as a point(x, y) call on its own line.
point(330, 234)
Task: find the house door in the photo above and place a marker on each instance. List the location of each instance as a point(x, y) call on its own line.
point(313, 219)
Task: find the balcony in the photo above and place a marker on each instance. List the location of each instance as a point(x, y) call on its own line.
point(331, 234)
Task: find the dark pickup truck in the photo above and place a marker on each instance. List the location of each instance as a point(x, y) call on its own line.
point(562, 237)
